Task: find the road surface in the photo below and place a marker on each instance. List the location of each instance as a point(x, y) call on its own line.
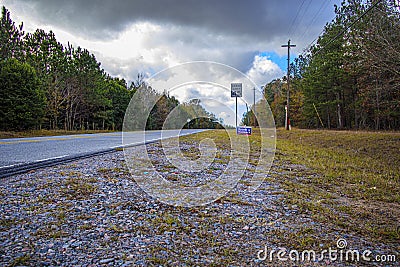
point(19, 151)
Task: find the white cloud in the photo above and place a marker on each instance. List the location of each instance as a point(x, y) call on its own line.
point(264, 70)
point(224, 115)
point(209, 82)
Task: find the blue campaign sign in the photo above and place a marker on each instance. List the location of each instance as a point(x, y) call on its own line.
point(245, 130)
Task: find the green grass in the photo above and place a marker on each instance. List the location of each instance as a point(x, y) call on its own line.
point(78, 187)
point(351, 179)
point(363, 165)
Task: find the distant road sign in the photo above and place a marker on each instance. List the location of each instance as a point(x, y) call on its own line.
point(236, 89)
point(245, 130)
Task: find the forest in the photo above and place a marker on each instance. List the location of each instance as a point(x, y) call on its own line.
point(350, 77)
point(45, 85)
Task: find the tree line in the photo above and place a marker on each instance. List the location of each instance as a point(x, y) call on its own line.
point(46, 85)
point(350, 78)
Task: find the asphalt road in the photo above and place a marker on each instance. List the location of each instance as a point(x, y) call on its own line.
point(17, 151)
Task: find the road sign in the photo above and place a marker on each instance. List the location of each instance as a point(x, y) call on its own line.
point(244, 130)
point(236, 89)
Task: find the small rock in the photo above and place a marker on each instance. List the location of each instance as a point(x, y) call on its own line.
point(105, 261)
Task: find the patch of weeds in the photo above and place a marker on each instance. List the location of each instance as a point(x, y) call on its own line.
point(157, 257)
point(116, 228)
point(172, 178)
point(60, 217)
point(391, 233)
point(220, 161)
point(157, 260)
point(23, 260)
point(166, 222)
point(227, 252)
point(48, 232)
point(86, 226)
point(301, 239)
point(114, 238)
point(84, 216)
point(6, 223)
point(35, 209)
point(245, 182)
point(112, 212)
point(78, 188)
point(191, 151)
point(103, 170)
point(169, 166)
point(120, 205)
point(234, 199)
point(344, 208)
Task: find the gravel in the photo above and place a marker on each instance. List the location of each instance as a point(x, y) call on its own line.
point(92, 213)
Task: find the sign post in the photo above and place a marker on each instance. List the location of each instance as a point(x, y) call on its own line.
point(236, 91)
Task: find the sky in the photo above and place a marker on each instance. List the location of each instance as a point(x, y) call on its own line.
point(148, 36)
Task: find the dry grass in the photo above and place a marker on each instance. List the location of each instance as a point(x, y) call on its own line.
point(351, 179)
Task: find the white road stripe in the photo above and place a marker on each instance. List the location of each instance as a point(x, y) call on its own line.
point(8, 166)
point(59, 157)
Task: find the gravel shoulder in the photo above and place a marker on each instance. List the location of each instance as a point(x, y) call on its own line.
point(92, 213)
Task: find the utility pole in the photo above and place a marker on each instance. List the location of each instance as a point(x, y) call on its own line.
point(287, 120)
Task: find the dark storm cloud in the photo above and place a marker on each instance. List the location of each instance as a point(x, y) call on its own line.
point(231, 32)
point(259, 19)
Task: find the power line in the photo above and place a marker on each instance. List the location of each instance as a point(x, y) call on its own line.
point(294, 20)
point(313, 41)
point(302, 17)
point(322, 7)
point(348, 27)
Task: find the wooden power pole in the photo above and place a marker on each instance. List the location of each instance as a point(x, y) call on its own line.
point(287, 120)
